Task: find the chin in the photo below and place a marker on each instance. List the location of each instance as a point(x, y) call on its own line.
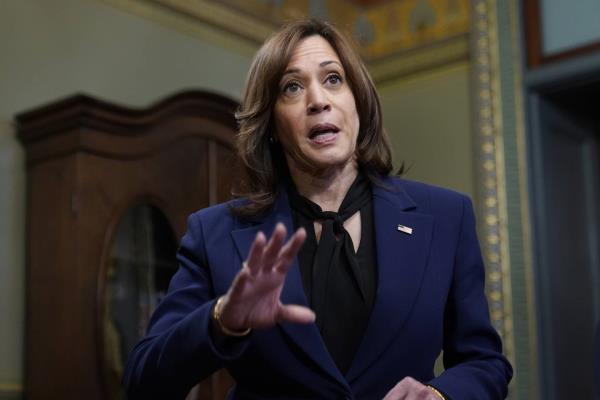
point(325, 163)
point(311, 161)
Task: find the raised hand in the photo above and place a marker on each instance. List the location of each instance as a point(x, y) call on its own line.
point(253, 300)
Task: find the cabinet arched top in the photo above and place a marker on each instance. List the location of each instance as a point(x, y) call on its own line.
point(85, 124)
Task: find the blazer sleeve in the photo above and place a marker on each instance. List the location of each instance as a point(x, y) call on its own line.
point(475, 366)
point(178, 350)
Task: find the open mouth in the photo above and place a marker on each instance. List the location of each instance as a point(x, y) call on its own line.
point(323, 133)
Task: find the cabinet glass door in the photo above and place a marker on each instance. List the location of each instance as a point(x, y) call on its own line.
point(141, 264)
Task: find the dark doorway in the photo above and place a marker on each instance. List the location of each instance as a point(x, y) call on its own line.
point(565, 174)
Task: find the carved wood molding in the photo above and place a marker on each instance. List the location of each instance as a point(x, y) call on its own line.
point(83, 123)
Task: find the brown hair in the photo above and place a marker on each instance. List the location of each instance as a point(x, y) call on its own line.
point(263, 163)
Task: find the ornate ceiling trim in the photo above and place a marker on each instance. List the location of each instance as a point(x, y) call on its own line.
point(396, 37)
point(224, 16)
point(451, 51)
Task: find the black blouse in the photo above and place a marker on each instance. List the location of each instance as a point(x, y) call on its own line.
point(342, 319)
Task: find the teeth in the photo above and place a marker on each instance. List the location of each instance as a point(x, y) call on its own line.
point(323, 136)
point(321, 133)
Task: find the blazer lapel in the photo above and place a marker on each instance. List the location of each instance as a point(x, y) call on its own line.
point(306, 337)
point(401, 261)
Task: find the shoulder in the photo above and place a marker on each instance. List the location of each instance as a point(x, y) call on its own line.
point(429, 199)
point(218, 215)
point(420, 190)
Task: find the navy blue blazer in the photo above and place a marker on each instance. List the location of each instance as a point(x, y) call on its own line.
point(430, 297)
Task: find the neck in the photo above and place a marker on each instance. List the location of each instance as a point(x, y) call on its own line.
point(326, 188)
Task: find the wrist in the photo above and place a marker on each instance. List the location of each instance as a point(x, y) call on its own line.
point(216, 316)
point(437, 392)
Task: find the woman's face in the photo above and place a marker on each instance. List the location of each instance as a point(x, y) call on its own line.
point(315, 112)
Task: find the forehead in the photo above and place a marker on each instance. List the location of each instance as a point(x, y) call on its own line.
point(313, 48)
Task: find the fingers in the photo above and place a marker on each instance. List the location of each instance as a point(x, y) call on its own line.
point(254, 260)
point(400, 391)
point(290, 250)
point(273, 247)
point(410, 389)
point(296, 314)
point(237, 288)
point(274, 254)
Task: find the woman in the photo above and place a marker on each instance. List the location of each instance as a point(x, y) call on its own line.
point(379, 276)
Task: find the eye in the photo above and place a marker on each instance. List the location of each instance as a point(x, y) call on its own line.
point(333, 79)
point(291, 88)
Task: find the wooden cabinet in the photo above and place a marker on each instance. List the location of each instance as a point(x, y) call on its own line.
point(90, 164)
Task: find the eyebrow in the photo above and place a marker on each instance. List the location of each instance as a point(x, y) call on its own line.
point(322, 64)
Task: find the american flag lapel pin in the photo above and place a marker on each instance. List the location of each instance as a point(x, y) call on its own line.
point(405, 229)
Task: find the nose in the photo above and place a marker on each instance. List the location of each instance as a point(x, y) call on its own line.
point(318, 100)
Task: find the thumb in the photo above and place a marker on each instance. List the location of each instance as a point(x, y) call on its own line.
point(295, 314)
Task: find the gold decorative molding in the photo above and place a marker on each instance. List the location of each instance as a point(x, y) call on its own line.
point(397, 27)
point(488, 120)
point(491, 132)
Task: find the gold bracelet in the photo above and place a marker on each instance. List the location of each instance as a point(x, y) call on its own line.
point(434, 390)
point(216, 315)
